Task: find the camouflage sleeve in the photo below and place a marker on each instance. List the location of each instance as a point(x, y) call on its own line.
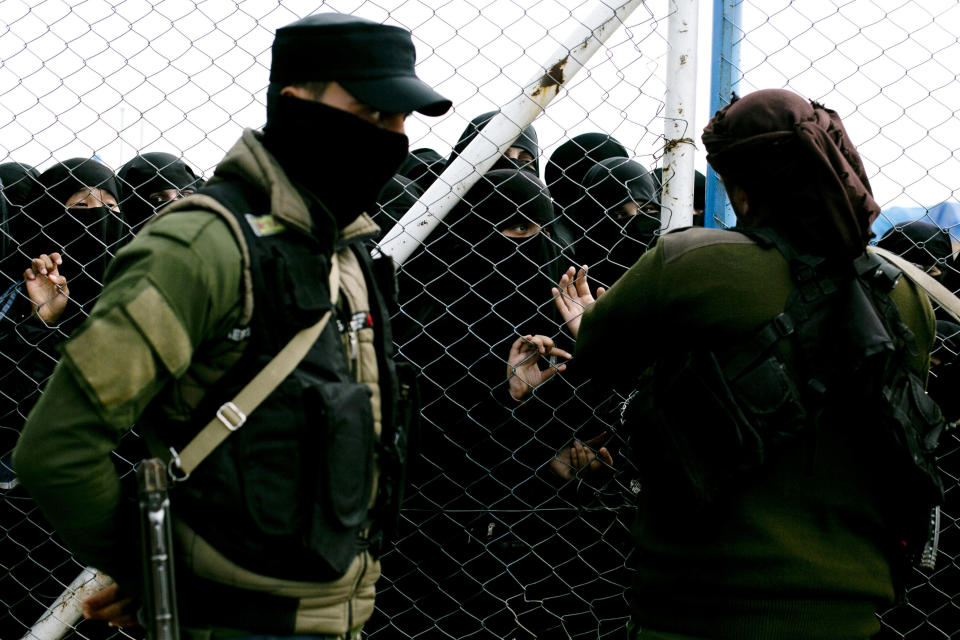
point(164, 294)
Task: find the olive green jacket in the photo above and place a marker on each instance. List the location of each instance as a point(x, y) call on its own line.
point(157, 340)
point(801, 548)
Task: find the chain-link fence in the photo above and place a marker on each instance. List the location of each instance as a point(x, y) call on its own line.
point(887, 68)
point(497, 533)
point(500, 535)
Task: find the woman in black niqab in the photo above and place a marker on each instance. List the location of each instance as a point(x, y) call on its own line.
point(423, 166)
point(618, 215)
point(86, 234)
point(149, 181)
point(395, 199)
point(527, 142)
point(480, 281)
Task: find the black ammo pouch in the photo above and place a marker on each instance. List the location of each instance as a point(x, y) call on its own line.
point(695, 451)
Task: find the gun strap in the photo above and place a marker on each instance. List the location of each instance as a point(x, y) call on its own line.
point(231, 415)
point(939, 293)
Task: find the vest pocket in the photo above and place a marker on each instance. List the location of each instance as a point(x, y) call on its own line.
point(273, 466)
point(345, 477)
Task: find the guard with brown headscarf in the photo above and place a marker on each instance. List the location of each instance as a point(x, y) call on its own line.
point(783, 477)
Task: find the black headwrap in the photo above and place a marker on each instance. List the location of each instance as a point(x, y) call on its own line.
point(608, 245)
point(395, 199)
point(795, 161)
point(475, 289)
point(423, 166)
point(87, 237)
point(527, 141)
point(149, 173)
point(569, 163)
point(922, 243)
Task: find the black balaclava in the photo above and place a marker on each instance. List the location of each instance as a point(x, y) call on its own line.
point(337, 157)
point(423, 166)
point(475, 289)
point(922, 243)
point(149, 173)
point(527, 141)
point(944, 378)
point(608, 245)
point(395, 199)
point(85, 236)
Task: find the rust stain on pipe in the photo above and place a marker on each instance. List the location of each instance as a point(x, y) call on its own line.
point(552, 78)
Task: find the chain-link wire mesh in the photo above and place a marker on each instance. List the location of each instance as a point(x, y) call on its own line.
point(888, 69)
point(499, 535)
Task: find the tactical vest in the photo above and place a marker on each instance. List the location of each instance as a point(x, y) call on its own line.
point(289, 493)
point(701, 422)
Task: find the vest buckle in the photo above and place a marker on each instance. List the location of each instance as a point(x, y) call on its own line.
point(231, 422)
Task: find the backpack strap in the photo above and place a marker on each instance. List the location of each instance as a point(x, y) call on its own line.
point(939, 293)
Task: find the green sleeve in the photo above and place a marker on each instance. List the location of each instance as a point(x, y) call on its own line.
point(164, 294)
point(617, 331)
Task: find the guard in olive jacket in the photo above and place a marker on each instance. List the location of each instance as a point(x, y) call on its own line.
point(278, 529)
point(779, 421)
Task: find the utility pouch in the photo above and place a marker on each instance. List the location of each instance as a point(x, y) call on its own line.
point(698, 447)
point(344, 415)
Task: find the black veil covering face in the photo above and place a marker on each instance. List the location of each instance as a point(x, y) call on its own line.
point(422, 166)
point(85, 236)
point(395, 199)
point(527, 141)
point(466, 295)
point(569, 163)
point(151, 173)
point(610, 240)
point(922, 243)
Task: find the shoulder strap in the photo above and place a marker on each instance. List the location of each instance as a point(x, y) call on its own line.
point(231, 415)
point(939, 293)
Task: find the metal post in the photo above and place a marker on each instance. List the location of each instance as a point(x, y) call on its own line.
point(679, 127)
point(725, 80)
point(502, 130)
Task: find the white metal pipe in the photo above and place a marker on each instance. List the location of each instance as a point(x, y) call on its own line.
point(502, 130)
point(64, 614)
point(679, 132)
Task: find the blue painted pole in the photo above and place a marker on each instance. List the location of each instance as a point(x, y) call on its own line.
point(724, 80)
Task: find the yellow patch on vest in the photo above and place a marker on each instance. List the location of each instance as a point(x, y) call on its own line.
point(112, 333)
point(265, 225)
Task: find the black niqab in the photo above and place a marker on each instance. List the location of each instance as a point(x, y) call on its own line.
point(922, 243)
point(608, 244)
point(85, 236)
point(569, 163)
point(422, 166)
point(150, 173)
point(527, 141)
point(395, 199)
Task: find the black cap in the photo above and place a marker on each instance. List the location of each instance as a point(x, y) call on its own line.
point(374, 62)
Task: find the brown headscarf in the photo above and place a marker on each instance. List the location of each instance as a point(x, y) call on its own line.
point(796, 156)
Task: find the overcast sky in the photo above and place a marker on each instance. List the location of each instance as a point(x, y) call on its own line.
point(113, 78)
